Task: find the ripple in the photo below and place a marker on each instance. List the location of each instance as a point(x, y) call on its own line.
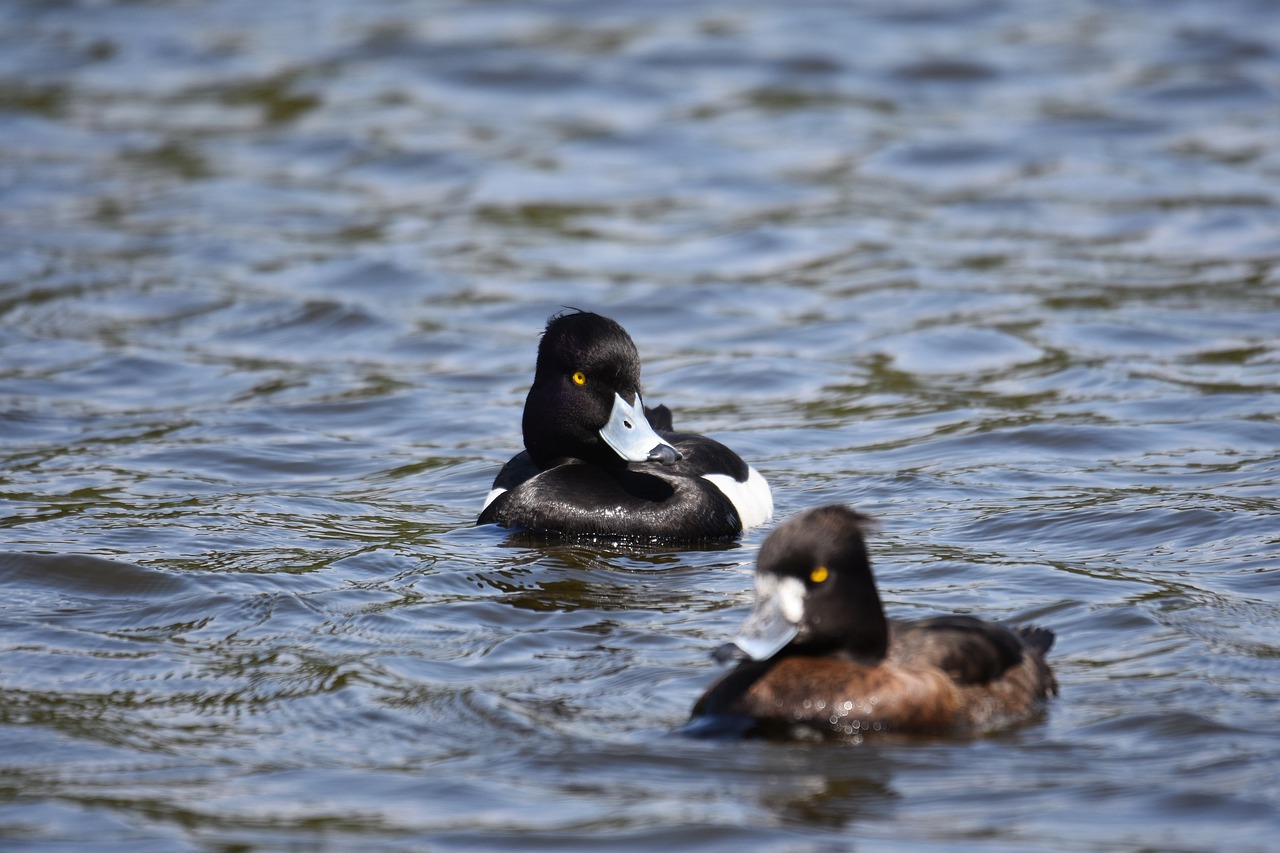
point(958, 350)
point(75, 574)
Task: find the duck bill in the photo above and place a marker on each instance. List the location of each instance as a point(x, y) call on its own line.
point(629, 435)
point(768, 629)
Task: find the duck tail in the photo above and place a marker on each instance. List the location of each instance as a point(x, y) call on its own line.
point(1040, 639)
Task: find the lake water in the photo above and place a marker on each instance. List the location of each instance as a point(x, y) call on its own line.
point(1005, 275)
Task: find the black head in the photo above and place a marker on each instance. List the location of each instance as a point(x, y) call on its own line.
point(586, 365)
point(815, 593)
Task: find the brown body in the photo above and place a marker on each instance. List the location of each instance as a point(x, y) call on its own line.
point(908, 692)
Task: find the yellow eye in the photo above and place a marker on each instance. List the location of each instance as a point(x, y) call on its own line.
point(579, 378)
point(819, 574)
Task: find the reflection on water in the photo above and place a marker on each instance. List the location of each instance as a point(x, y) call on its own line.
point(271, 280)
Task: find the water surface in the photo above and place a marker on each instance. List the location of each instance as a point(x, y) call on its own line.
point(1005, 275)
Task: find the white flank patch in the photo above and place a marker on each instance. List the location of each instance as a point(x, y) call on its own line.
point(491, 497)
point(752, 499)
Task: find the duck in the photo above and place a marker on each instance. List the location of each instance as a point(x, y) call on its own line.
point(816, 656)
point(597, 462)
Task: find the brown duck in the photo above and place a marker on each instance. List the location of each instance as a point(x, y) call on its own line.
point(818, 655)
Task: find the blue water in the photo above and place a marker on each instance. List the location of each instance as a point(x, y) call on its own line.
point(1004, 275)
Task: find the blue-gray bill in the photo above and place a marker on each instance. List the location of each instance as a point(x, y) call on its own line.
point(629, 435)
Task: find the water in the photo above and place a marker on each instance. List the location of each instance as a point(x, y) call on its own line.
point(1005, 275)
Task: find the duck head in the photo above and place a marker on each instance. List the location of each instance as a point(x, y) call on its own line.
point(585, 401)
point(815, 593)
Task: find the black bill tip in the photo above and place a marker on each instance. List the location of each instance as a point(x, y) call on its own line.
point(729, 653)
point(665, 454)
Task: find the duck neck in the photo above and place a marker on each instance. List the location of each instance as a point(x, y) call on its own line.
point(869, 645)
point(864, 632)
point(869, 634)
point(551, 440)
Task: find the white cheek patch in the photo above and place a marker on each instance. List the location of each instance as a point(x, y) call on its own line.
point(753, 499)
point(772, 622)
point(790, 593)
point(784, 595)
point(491, 497)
